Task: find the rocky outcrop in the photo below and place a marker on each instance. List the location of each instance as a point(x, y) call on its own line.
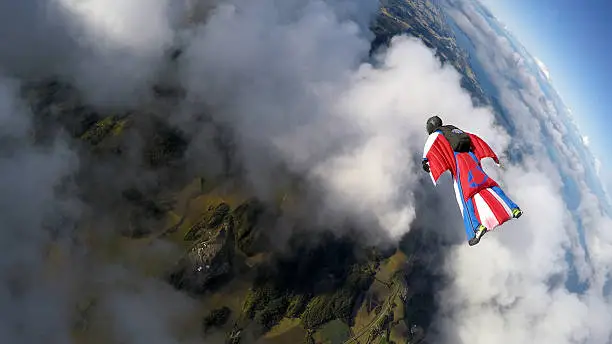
point(249, 218)
point(209, 261)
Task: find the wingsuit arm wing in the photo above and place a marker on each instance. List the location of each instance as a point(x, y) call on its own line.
point(482, 150)
point(439, 155)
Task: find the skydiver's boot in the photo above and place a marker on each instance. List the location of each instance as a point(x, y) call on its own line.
point(516, 213)
point(480, 231)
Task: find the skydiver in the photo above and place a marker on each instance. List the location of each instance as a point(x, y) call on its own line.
point(483, 204)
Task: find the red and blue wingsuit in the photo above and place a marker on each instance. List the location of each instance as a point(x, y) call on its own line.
point(483, 204)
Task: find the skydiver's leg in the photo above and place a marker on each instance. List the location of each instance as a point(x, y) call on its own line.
point(474, 228)
point(470, 219)
point(467, 222)
point(514, 208)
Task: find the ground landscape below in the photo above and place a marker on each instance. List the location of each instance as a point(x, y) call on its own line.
point(321, 288)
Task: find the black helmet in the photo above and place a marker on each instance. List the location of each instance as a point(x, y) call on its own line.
point(433, 123)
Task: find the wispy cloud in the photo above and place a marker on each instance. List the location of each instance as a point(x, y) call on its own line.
point(586, 140)
point(34, 215)
point(543, 69)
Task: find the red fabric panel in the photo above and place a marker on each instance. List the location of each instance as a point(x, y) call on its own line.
point(482, 149)
point(472, 178)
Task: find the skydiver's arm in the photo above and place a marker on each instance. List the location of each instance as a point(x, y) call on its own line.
point(430, 141)
point(425, 164)
point(501, 165)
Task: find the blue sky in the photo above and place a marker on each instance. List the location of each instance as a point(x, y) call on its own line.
point(572, 39)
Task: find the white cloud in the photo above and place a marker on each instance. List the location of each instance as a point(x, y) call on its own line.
point(118, 24)
point(112, 50)
point(122, 45)
point(391, 104)
point(586, 140)
point(543, 69)
point(598, 166)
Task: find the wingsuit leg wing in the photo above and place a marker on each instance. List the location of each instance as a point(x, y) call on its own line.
point(484, 205)
point(487, 210)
